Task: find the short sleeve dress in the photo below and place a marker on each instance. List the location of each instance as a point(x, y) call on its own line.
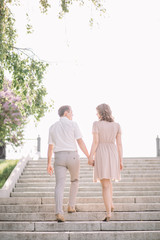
point(107, 164)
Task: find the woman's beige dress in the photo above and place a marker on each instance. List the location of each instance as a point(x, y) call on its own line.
point(107, 164)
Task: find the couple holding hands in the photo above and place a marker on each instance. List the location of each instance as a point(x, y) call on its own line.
point(105, 155)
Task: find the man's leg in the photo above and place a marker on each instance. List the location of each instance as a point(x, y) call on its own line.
point(60, 173)
point(73, 164)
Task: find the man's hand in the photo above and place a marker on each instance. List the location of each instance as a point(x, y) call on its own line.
point(50, 170)
point(50, 151)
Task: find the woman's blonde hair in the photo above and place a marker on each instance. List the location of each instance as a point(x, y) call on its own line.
point(105, 112)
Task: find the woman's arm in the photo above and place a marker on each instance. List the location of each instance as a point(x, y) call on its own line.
point(120, 149)
point(93, 148)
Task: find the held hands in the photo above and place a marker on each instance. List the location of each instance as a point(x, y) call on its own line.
point(90, 161)
point(50, 169)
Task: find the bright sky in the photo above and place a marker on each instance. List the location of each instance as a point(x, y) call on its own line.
point(116, 62)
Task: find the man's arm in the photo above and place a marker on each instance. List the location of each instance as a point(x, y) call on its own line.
point(83, 146)
point(50, 152)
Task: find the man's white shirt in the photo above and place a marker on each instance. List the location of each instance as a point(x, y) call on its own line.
point(63, 135)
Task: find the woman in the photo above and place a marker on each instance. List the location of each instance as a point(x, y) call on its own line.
point(105, 155)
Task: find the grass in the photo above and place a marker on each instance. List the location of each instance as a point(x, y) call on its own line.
point(6, 167)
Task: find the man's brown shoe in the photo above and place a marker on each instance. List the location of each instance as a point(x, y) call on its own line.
point(71, 209)
point(60, 218)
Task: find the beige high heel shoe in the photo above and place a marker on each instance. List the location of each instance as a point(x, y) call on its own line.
point(107, 219)
point(71, 209)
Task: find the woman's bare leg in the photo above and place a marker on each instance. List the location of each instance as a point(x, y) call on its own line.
point(112, 205)
point(106, 193)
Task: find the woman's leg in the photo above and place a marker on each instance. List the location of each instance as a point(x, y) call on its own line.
point(112, 205)
point(106, 192)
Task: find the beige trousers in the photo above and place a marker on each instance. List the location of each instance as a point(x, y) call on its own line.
point(63, 161)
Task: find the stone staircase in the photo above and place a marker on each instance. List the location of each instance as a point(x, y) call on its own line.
point(29, 212)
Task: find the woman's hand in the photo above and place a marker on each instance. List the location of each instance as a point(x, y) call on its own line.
point(121, 165)
point(50, 169)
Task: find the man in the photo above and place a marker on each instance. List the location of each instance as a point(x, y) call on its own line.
point(62, 140)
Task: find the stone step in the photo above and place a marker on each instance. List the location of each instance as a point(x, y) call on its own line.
point(91, 176)
point(94, 235)
point(88, 170)
point(85, 163)
point(80, 226)
point(84, 180)
point(51, 200)
point(90, 207)
point(156, 159)
point(90, 173)
point(90, 184)
point(86, 189)
point(125, 159)
point(120, 199)
point(86, 160)
point(30, 212)
point(87, 166)
point(83, 194)
point(81, 216)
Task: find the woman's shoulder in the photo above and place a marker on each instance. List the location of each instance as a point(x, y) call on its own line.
point(105, 122)
point(95, 127)
point(95, 123)
point(116, 123)
point(118, 127)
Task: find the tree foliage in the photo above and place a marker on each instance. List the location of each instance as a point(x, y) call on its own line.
point(23, 94)
point(65, 6)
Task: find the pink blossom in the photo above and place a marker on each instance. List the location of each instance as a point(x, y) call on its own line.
point(18, 98)
point(16, 114)
point(14, 139)
point(6, 106)
point(5, 88)
point(13, 106)
point(10, 97)
point(7, 93)
point(16, 119)
point(2, 94)
point(9, 83)
point(5, 121)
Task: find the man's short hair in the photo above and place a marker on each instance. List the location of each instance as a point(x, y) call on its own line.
point(62, 110)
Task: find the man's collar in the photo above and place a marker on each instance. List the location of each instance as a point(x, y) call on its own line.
point(64, 119)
